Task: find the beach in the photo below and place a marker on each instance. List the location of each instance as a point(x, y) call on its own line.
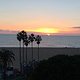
point(44, 53)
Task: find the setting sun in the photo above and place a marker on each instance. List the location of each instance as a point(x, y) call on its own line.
point(47, 30)
point(48, 34)
point(44, 31)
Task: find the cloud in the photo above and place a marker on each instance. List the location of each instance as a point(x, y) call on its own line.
point(15, 32)
point(1, 30)
point(8, 32)
point(75, 27)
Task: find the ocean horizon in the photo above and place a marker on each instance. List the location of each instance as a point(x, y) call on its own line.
point(10, 40)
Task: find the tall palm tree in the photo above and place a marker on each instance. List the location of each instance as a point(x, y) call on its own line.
point(24, 36)
point(26, 44)
point(38, 39)
point(31, 38)
point(19, 39)
point(5, 57)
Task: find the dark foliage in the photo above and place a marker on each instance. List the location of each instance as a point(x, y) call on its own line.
point(60, 67)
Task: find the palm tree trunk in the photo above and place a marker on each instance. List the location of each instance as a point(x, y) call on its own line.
point(23, 52)
point(23, 59)
point(20, 55)
point(32, 49)
point(26, 53)
point(38, 52)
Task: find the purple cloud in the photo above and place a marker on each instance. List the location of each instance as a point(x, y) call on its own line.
point(1, 30)
point(8, 31)
point(75, 27)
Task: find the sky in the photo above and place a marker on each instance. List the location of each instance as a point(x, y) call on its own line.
point(44, 17)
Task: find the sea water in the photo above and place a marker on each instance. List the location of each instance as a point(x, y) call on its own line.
point(10, 40)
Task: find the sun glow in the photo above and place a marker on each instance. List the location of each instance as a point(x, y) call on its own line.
point(48, 34)
point(47, 31)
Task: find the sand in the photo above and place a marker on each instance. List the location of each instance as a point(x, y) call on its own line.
point(45, 53)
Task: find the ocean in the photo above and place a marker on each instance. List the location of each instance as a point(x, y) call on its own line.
point(10, 40)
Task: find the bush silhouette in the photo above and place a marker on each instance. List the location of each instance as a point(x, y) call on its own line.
point(60, 67)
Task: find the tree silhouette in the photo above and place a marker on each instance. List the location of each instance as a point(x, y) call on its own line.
point(31, 38)
point(59, 67)
point(24, 36)
point(38, 39)
point(5, 57)
point(26, 44)
point(19, 39)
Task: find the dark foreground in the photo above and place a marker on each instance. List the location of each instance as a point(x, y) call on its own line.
point(60, 67)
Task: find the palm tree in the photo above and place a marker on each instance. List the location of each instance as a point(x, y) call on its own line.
point(38, 39)
point(5, 57)
point(26, 44)
point(24, 36)
point(31, 38)
point(19, 39)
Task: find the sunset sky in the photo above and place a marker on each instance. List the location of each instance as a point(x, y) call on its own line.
point(44, 17)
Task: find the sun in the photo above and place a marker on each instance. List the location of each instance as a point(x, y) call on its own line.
point(47, 31)
point(48, 34)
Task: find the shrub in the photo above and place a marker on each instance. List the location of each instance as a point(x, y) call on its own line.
point(60, 67)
